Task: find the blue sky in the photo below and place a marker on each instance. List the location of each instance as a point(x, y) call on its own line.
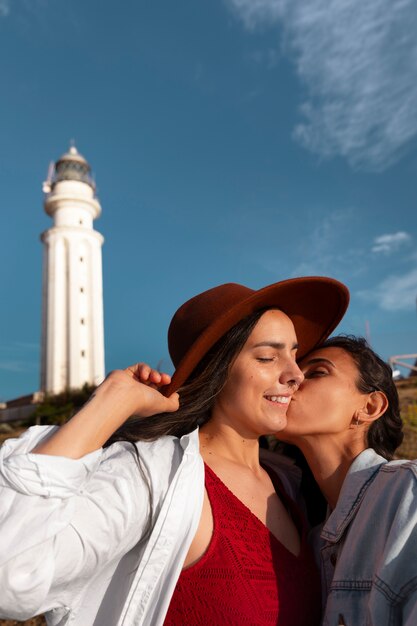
point(232, 140)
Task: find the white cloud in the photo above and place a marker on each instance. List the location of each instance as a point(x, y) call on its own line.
point(26, 6)
point(4, 8)
point(318, 251)
point(269, 57)
point(395, 293)
point(254, 12)
point(390, 243)
point(18, 356)
point(12, 366)
point(324, 248)
point(358, 61)
point(27, 345)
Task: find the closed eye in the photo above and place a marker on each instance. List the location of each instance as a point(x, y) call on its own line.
point(315, 373)
point(264, 359)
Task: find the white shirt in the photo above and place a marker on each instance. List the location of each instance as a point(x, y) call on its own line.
point(96, 541)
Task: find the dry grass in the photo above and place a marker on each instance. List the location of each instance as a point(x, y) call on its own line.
point(13, 433)
point(407, 390)
point(35, 621)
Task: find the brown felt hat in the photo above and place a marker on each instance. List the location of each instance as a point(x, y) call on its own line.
point(315, 305)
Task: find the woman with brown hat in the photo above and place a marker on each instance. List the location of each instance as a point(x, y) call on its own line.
point(188, 525)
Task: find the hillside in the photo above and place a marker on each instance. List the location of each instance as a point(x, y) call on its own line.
point(407, 390)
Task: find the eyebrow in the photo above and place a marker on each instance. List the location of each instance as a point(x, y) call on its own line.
point(274, 344)
point(319, 360)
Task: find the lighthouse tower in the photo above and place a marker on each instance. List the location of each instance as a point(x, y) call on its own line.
point(72, 299)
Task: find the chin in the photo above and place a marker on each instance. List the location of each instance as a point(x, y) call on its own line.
point(277, 426)
point(284, 435)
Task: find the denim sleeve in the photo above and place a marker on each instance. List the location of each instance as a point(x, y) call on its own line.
point(61, 519)
point(410, 610)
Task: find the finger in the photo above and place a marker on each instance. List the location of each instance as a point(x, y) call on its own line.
point(135, 369)
point(143, 372)
point(155, 377)
point(172, 403)
point(165, 378)
point(158, 379)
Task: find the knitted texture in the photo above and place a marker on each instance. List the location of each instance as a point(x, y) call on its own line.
point(246, 577)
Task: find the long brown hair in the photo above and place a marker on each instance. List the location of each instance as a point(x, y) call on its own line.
point(198, 394)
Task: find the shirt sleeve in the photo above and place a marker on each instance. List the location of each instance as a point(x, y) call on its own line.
point(61, 518)
point(43, 474)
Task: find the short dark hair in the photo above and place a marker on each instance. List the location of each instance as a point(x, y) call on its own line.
point(386, 433)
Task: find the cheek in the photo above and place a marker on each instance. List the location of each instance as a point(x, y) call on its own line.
point(241, 385)
point(252, 381)
point(332, 404)
point(331, 412)
point(232, 391)
point(313, 404)
point(342, 401)
point(239, 377)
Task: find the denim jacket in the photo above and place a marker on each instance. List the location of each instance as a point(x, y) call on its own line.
point(369, 554)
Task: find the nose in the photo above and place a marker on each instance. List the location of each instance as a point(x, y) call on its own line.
point(292, 375)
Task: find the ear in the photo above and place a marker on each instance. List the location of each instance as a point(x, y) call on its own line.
point(376, 405)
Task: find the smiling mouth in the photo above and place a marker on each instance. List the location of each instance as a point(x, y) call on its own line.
point(278, 399)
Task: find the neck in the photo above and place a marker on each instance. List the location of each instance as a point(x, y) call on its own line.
point(329, 459)
point(222, 442)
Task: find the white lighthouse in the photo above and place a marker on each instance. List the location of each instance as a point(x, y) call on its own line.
point(72, 299)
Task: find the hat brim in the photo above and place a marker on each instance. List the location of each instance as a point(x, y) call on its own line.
point(315, 304)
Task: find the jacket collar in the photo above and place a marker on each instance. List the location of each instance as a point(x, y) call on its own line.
point(360, 475)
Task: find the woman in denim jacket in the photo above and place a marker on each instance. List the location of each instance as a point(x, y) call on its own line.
point(345, 419)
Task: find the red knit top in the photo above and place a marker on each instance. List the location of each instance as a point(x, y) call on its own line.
point(247, 577)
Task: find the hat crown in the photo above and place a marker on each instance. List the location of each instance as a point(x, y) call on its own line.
point(198, 313)
point(315, 305)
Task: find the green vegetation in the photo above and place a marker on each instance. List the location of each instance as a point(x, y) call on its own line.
point(410, 415)
point(57, 409)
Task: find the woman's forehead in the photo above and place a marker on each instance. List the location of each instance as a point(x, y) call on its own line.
point(273, 323)
point(335, 354)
